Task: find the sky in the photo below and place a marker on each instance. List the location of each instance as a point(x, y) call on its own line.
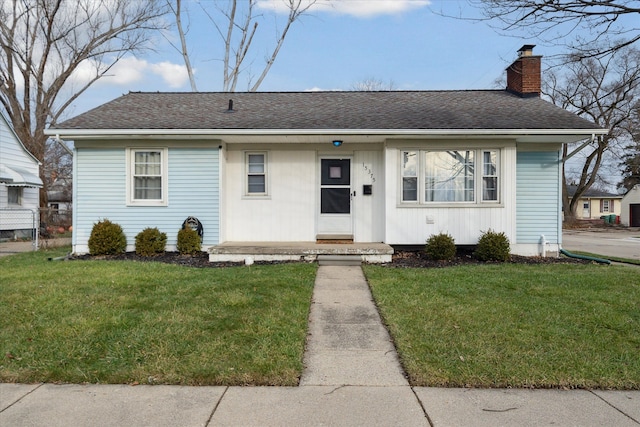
point(405, 43)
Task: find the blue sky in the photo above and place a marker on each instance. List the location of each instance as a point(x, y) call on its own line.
point(407, 42)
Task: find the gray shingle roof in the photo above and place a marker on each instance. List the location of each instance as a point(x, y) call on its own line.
point(452, 110)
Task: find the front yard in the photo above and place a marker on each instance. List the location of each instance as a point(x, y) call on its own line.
point(500, 325)
point(151, 323)
point(511, 325)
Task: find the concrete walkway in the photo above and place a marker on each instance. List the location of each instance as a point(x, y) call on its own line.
point(352, 378)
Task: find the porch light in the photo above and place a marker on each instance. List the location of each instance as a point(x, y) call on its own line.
point(337, 143)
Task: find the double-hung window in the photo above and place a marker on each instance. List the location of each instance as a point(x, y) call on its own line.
point(449, 176)
point(147, 177)
point(256, 174)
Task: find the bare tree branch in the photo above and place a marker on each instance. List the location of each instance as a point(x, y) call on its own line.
point(600, 27)
point(237, 25)
point(44, 42)
point(604, 90)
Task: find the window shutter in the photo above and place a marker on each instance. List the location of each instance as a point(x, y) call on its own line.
point(613, 209)
point(601, 205)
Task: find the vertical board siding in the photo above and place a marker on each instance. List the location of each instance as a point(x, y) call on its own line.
point(100, 192)
point(408, 225)
point(287, 213)
point(538, 198)
point(368, 210)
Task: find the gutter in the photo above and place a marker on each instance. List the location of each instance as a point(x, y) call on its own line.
point(216, 133)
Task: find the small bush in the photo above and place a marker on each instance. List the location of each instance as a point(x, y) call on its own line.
point(493, 246)
point(150, 241)
point(440, 247)
point(107, 238)
point(188, 241)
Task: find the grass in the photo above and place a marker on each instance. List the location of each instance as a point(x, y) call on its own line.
point(573, 326)
point(151, 323)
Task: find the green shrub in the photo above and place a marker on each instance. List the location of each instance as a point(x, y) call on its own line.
point(107, 238)
point(150, 241)
point(188, 241)
point(493, 246)
point(440, 247)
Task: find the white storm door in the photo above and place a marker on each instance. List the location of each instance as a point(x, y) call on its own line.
point(335, 216)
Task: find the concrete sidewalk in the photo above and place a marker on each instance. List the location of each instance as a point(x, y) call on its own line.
point(352, 378)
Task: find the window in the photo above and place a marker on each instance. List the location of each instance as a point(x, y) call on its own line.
point(256, 169)
point(450, 176)
point(14, 195)
point(490, 175)
point(605, 206)
point(147, 177)
point(409, 176)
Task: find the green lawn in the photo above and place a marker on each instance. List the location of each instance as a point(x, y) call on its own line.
point(128, 322)
point(514, 325)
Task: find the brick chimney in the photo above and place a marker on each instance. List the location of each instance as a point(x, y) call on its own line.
point(523, 76)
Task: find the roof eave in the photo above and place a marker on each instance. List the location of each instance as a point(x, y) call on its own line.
point(522, 135)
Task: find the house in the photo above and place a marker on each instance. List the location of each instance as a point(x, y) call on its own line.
point(594, 204)
point(630, 208)
point(20, 184)
point(392, 167)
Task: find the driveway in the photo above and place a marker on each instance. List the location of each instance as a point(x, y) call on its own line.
point(615, 242)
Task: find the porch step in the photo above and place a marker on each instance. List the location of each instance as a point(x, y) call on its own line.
point(298, 251)
point(339, 260)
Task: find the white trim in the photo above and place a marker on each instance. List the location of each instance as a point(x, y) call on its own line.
point(245, 192)
point(478, 175)
point(164, 173)
point(381, 134)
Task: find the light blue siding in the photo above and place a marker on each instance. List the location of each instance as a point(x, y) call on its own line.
point(537, 197)
point(193, 190)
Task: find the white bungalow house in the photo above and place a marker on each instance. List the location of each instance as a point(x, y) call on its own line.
point(20, 184)
point(630, 208)
point(265, 167)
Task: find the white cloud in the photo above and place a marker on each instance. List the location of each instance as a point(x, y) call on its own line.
point(131, 71)
point(174, 75)
point(357, 8)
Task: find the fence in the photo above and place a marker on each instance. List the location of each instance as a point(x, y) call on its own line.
point(20, 225)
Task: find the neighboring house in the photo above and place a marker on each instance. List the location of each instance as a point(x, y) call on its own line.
point(20, 184)
point(630, 208)
point(393, 167)
point(60, 203)
point(595, 203)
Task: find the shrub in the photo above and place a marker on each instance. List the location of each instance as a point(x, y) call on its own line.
point(107, 238)
point(150, 241)
point(188, 241)
point(440, 247)
point(493, 246)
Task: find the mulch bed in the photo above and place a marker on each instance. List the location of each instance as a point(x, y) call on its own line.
point(401, 259)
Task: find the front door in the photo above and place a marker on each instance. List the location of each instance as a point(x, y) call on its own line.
point(335, 219)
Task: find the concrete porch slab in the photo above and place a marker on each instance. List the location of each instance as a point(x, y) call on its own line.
point(374, 253)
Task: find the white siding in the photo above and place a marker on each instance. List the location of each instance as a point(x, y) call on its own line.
point(100, 192)
point(368, 210)
point(412, 225)
point(13, 153)
point(287, 213)
point(538, 197)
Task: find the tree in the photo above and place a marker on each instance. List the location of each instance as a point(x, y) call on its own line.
point(601, 27)
point(372, 84)
point(43, 43)
point(603, 90)
point(237, 25)
point(631, 159)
